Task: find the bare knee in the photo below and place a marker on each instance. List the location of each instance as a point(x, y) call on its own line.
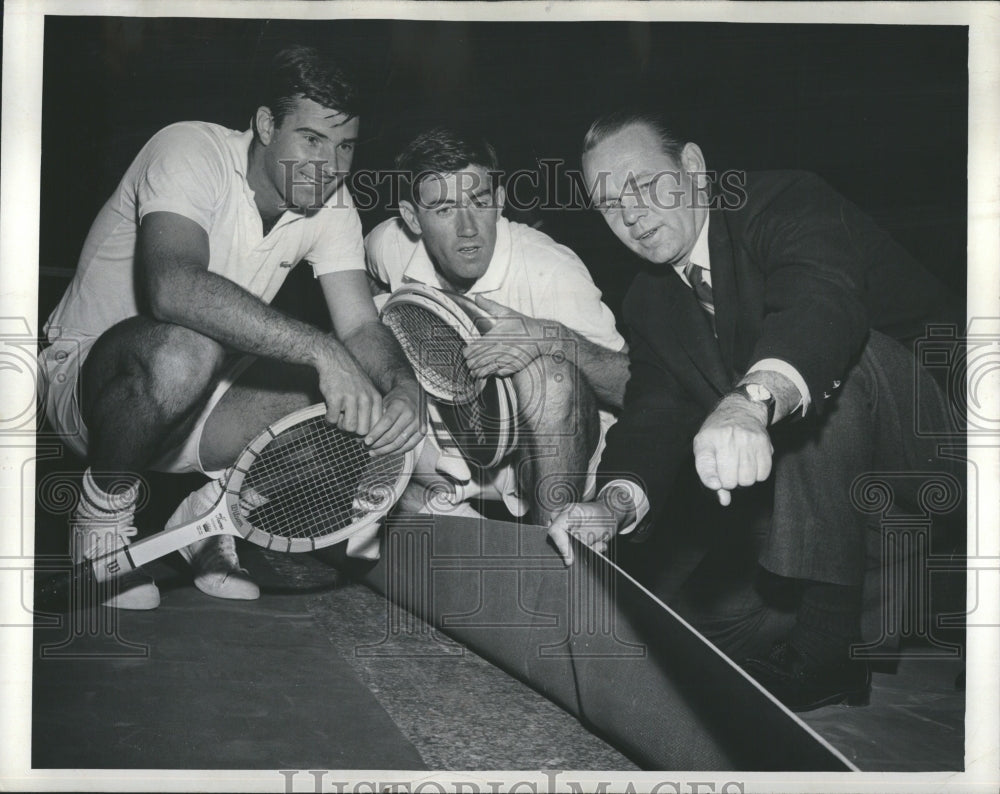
point(553, 395)
point(160, 364)
point(181, 362)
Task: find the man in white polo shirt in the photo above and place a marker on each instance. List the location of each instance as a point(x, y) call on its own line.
point(169, 306)
point(569, 369)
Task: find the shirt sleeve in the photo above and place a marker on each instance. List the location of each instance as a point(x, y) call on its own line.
point(374, 258)
point(572, 298)
point(338, 245)
point(786, 369)
point(639, 502)
point(180, 170)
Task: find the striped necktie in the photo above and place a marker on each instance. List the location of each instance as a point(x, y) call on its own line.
point(702, 289)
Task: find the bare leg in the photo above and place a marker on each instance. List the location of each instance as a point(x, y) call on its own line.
point(267, 391)
point(561, 428)
point(141, 386)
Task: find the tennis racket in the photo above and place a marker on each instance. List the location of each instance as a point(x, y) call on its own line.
point(433, 328)
point(484, 430)
point(300, 485)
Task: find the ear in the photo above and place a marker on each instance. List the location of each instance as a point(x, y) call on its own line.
point(692, 160)
point(500, 198)
point(264, 124)
point(409, 215)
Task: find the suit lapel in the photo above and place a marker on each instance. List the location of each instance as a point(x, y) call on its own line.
point(692, 331)
point(724, 287)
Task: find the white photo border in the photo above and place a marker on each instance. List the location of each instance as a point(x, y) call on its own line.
point(19, 201)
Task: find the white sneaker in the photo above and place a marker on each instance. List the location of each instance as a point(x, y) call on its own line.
point(94, 535)
point(217, 570)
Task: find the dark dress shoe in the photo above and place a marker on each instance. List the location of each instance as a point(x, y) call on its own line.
point(803, 685)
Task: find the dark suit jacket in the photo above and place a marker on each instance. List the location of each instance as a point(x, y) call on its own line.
point(799, 274)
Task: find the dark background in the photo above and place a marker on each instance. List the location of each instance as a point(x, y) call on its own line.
point(879, 111)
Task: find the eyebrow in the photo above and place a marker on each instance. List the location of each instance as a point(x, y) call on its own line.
point(600, 195)
point(319, 134)
point(339, 113)
point(483, 191)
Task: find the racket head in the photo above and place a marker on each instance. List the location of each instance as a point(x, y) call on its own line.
point(481, 319)
point(304, 484)
point(432, 328)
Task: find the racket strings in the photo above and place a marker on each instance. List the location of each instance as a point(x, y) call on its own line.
point(433, 338)
point(434, 349)
point(313, 479)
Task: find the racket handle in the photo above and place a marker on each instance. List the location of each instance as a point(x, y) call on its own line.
point(88, 583)
point(53, 594)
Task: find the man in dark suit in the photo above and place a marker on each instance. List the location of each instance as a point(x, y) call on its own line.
point(766, 343)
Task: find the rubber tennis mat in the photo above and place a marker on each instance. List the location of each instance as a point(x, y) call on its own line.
point(595, 642)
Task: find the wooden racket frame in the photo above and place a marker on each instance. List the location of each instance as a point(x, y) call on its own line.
point(453, 309)
point(296, 545)
point(470, 322)
point(225, 517)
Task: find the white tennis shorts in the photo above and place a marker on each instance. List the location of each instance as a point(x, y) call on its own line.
point(59, 367)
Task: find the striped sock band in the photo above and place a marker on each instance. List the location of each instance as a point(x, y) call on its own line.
point(97, 501)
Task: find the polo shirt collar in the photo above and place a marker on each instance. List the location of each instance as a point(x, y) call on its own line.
point(239, 147)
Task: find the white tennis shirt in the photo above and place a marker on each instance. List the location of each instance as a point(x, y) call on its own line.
point(199, 170)
point(529, 272)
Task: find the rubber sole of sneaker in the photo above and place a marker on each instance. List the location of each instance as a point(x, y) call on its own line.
point(233, 586)
point(135, 592)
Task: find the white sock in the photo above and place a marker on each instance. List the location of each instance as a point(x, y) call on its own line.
point(98, 503)
point(101, 521)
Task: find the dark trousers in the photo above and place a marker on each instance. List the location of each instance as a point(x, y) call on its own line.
point(817, 529)
point(736, 572)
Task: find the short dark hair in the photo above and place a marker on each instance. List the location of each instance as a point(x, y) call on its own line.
point(443, 150)
point(615, 122)
point(301, 72)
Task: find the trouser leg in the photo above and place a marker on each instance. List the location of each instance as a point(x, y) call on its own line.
point(817, 530)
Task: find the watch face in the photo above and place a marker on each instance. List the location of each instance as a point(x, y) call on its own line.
point(758, 393)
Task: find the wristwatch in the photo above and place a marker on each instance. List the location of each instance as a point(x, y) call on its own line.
point(756, 393)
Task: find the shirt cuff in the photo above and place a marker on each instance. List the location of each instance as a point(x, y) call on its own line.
point(786, 369)
point(639, 502)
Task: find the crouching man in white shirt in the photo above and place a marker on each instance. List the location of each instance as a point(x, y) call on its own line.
point(568, 365)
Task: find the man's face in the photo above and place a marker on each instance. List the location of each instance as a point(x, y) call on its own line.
point(308, 155)
point(456, 214)
point(649, 200)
